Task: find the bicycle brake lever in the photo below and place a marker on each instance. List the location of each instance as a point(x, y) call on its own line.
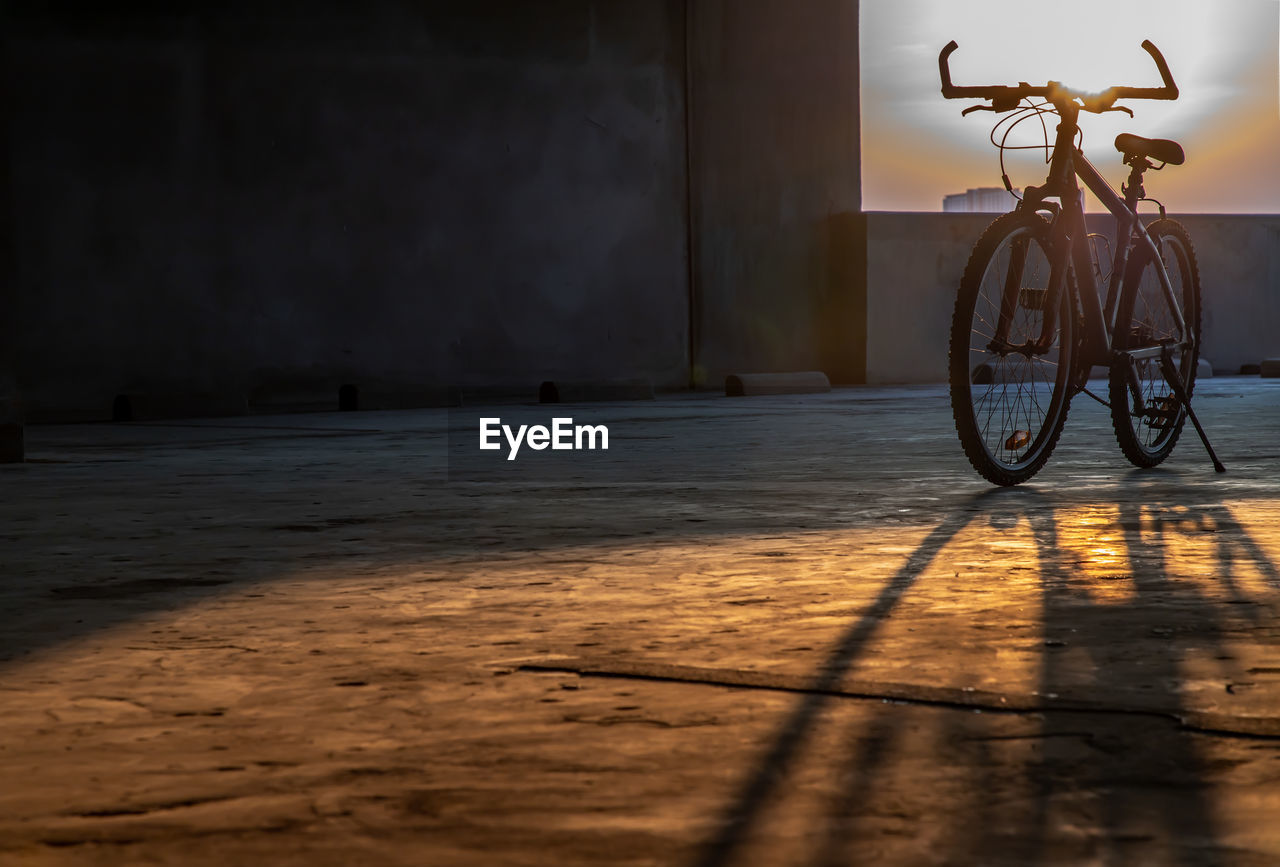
point(998, 106)
point(1123, 108)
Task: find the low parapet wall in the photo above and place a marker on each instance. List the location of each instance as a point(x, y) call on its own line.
point(914, 263)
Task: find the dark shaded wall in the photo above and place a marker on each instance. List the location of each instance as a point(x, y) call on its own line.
point(779, 243)
point(240, 200)
point(11, 416)
point(245, 206)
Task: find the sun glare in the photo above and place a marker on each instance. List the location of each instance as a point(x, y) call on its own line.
point(1096, 47)
point(1223, 55)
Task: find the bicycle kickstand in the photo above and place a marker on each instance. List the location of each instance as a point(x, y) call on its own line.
point(1175, 382)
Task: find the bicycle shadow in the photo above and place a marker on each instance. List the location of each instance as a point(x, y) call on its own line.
point(1108, 769)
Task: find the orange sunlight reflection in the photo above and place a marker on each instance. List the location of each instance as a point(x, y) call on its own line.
point(1094, 544)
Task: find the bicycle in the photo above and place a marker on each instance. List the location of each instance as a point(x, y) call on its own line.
point(1029, 324)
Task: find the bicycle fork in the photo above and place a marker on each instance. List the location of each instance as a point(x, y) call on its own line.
point(1015, 296)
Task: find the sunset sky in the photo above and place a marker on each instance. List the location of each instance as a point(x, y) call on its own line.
point(1223, 55)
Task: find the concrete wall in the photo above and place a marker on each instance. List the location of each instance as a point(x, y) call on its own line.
point(1239, 260)
point(915, 261)
point(259, 198)
point(778, 241)
point(11, 418)
point(264, 202)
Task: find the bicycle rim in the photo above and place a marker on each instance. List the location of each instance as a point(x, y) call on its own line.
point(1009, 405)
point(1148, 432)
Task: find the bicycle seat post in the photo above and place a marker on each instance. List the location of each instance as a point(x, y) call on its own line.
point(1133, 190)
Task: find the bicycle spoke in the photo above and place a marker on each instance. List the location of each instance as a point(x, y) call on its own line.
point(1000, 322)
point(1009, 397)
point(1148, 432)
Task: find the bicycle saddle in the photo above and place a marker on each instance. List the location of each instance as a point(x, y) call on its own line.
point(1162, 149)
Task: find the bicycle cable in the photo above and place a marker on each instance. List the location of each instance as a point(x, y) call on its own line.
point(1010, 122)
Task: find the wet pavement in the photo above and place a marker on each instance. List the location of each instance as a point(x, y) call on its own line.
point(761, 631)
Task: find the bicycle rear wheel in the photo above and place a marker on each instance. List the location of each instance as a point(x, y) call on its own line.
point(1010, 366)
point(1148, 430)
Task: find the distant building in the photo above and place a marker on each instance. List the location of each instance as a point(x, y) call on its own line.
point(983, 200)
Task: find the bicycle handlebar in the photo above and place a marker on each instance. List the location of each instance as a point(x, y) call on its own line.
point(1006, 98)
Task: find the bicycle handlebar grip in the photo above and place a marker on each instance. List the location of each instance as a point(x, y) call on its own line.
point(1006, 93)
point(944, 68)
point(1169, 86)
point(995, 91)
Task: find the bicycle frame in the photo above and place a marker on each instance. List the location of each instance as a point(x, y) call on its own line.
point(1071, 252)
point(1071, 269)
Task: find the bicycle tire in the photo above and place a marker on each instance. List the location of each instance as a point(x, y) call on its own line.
point(1143, 318)
point(1009, 407)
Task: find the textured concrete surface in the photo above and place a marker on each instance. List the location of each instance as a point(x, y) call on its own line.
point(784, 630)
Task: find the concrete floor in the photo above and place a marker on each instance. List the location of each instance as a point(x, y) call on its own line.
point(762, 631)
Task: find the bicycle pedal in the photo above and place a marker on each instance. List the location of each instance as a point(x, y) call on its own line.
point(1017, 440)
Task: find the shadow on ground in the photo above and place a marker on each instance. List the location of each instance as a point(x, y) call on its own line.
point(1104, 774)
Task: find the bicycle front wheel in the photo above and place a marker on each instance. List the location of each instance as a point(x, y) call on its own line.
point(1148, 423)
point(1011, 358)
